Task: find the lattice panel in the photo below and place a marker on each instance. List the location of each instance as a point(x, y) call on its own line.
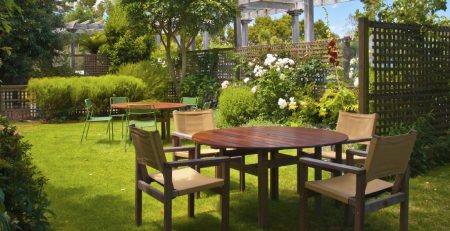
point(411, 74)
point(15, 104)
point(95, 65)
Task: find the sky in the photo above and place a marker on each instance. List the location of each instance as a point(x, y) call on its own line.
point(339, 15)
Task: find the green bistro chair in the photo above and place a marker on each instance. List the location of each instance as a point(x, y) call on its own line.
point(114, 100)
point(191, 102)
point(141, 117)
point(206, 105)
point(89, 106)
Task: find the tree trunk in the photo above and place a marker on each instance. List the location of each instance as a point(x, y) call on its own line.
point(183, 51)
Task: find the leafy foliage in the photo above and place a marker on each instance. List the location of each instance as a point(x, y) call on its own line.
point(237, 106)
point(153, 73)
point(32, 42)
point(203, 86)
point(25, 202)
point(430, 149)
point(92, 42)
point(58, 97)
point(127, 41)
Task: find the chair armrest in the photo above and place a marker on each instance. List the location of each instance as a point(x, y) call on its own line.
point(350, 141)
point(331, 166)
point(182, 135)
point(354, 152)
point(179, 149)
point(198, 162)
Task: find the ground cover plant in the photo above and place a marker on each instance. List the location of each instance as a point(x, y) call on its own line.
point(91, 187)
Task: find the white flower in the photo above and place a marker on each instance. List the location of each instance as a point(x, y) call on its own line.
point(282, 103)
point(278, 69)
point(225, 84)
point(246, 80)
point(291, 62)
point(253, 90)
point(270, 59)
point(356, 82)
point(292, 99)
point(352, 69)
point(251, 64)
point(354, 61)
point(259, 71)
point(283, 76)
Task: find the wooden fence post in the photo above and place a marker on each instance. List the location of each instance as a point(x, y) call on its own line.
point(363, 66)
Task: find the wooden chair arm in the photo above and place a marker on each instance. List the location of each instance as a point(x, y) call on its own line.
point(182, 135)
point(350, 141)
point(354, 152)
point(179, 149)
point(331, 166)
point(204, 162)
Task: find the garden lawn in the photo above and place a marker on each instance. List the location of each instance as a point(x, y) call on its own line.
point(91, 187)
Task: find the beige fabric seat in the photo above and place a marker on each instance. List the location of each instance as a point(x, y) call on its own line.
point(328, 154)
point(175, 180)
point(342, 188)
point(387, 156)
point(187, 180)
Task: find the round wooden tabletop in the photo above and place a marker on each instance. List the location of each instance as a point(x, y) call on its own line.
point(156, 105)
point(268, 137)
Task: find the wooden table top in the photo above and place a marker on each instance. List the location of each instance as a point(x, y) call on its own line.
point(156, 105)
point(268, 137)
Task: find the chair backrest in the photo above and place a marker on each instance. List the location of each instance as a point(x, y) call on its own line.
point(357, 125)
point(206, 105)
point(89, 107)
point(148, 147)
point(389, 156)
point(139, 109)
point(190, 122)
point(113, 100)
point(190, 101)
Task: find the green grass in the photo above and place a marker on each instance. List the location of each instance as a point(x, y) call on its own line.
point(91, 187)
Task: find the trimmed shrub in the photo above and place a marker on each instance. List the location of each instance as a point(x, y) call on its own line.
point(204, 87)
point(23, 202)
point(154, 74)
point(59, 98)
point(237, 106)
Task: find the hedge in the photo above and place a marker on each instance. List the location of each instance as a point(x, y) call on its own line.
point(61, 97)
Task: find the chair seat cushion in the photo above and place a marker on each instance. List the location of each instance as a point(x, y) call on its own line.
point(203, 153)
point(342, 188)
point(142, 123)
point(187, 180)
point(97, 119)
point(332, 155)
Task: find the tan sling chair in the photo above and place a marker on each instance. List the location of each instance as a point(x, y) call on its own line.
point(187, 123)
point(176, 182)
point(387, 156)
point(360, 129)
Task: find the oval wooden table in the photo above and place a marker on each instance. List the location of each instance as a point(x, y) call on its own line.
point(270, 139)
point(164, 107)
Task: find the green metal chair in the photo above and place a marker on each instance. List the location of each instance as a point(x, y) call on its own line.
point(114, 100)
point(206, 105)
point(191, 102)
point(141, 117)
point(89, 106)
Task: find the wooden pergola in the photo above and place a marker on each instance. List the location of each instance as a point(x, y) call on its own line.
point(251, 9)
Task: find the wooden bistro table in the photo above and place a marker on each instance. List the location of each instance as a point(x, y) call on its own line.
point(164, 107)
point(265, 140)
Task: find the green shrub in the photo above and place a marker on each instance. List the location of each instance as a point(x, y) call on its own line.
point(59, 98)
point(154, 74)
point(25, 202)
point(204, 87)
point(237, 106)
point(430, 149)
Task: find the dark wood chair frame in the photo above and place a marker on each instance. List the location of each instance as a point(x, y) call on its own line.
point(399, 193)
point(143, 184)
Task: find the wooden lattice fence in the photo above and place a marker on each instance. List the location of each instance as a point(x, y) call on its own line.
point(411, 73)
point(15, 104)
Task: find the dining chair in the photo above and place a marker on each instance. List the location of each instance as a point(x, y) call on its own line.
point(206, 105)
point(190, 102)
point(360, 128)
point(187, 123)
point(141, 117)
point(387, 157)
point(90, 108)
point(178, 178)
point(122, 116)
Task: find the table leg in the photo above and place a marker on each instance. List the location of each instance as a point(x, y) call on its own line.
point(167, 119)
point(219, 170)
point(318, 176)
point(299, 154)
point(338, 150)
point(274, 195)
point(263, 194)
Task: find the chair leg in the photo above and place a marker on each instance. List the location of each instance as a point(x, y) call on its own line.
point(242, 174)
point(404, 215)
point(191, 204)
point(303, 197)
point(167, 214)
point(138, 206)
point(359, 216)
point(82, 135)
point(87, 130)
point(225, 199)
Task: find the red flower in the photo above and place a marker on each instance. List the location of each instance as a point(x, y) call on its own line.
point(332, 43)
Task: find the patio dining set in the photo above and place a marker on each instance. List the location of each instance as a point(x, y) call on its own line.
point(360, 179)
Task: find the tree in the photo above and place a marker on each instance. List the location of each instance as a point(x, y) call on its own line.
point(126, 41)
point(405, 11)
point(183, 18)
point(32, 41)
